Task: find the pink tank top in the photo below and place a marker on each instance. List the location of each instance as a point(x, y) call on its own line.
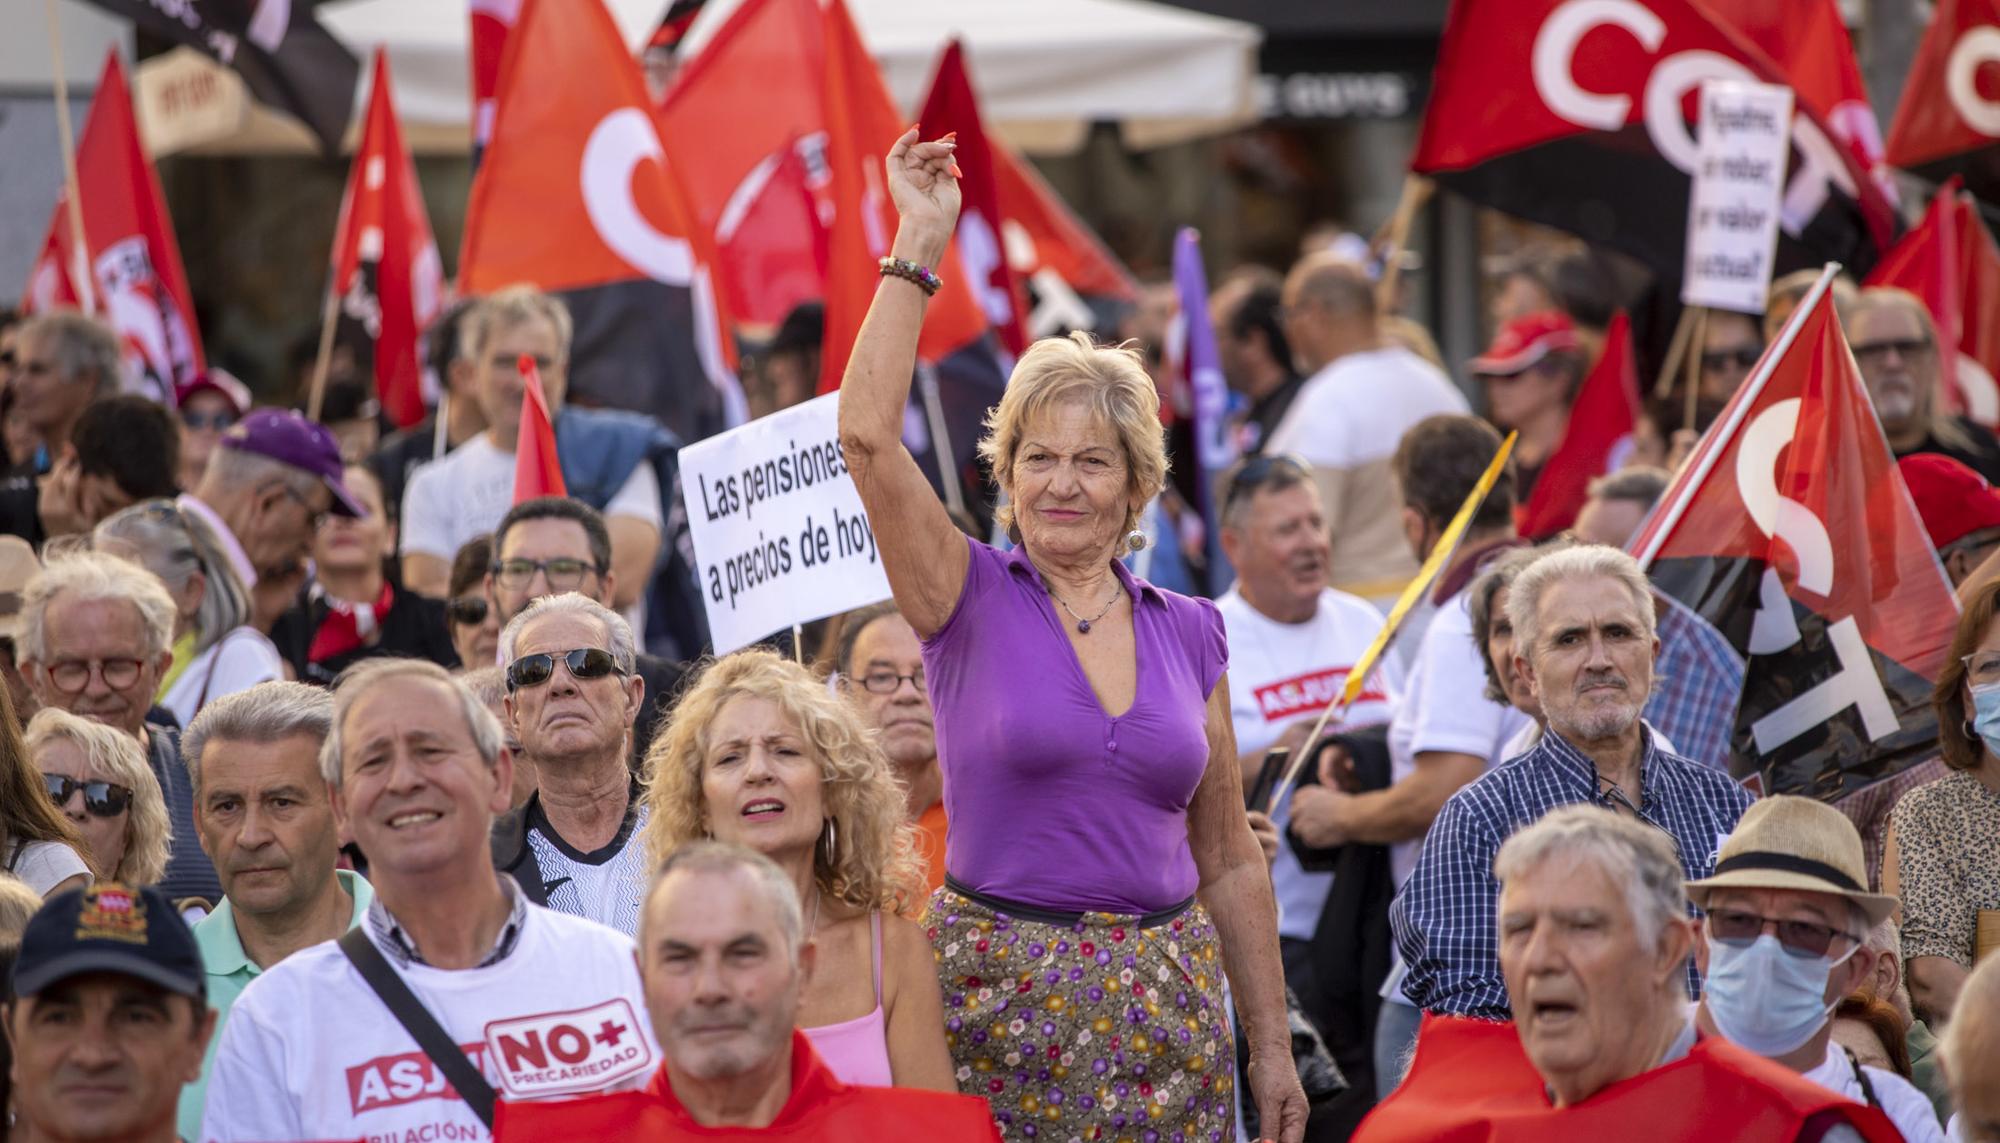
point(857, 1050)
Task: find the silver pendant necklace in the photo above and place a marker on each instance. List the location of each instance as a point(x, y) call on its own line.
point(1082, 624)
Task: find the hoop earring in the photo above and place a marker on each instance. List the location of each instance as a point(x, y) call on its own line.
point(1971, 733)
point(1136, 540)
point(831, 844)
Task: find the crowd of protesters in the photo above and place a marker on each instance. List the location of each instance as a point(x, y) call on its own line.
point(376, 804)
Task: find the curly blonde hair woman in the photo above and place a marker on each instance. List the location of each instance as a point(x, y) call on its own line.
point(760, 753)
point(126, 829)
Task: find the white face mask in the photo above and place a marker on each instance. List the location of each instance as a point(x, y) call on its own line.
point(1765, 999)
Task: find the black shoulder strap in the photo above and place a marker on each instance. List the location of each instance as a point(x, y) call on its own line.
point(417, 1020)
point(1861, 1077)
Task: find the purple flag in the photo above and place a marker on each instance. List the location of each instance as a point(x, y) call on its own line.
point(1214, 451)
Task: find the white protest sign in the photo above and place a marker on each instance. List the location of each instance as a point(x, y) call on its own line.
point(1739, 183)
point(779, 535)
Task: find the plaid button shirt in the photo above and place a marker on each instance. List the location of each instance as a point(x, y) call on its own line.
point(397, 946)
point(1696, 684)
point(1446, 915)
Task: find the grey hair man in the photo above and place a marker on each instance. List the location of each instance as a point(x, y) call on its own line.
point(264, 817)
point(1618, 504)
point(418, 772)
point(62, 362)
point(1884, 947)
point(1972, 1053)
point(1905, 366)
point(571, 697)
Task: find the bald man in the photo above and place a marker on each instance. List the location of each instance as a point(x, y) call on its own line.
point(1363, 392)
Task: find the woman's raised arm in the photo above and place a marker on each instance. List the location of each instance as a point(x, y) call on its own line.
point(922, 551)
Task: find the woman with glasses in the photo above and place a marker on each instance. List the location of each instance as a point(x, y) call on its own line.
point(216, 651)
point(760, 753)
point(38, 843)
point(1946, 835)
point(98, 777)
point(354, 609)
point(474, 621)
point(1101, 870)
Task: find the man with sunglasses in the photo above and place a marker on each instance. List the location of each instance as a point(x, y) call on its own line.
point(1730, 346)
point(1904, 366)
point(571, 695)
point(1785, 940)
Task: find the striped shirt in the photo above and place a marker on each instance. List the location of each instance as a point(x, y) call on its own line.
point(1696, 683)
point(1445, 917)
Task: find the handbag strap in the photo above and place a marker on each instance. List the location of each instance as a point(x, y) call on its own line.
point(422, 1026)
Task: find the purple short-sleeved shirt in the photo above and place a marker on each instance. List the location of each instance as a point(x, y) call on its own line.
point(1052, 801)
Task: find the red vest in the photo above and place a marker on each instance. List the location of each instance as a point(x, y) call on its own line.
point(820, 1108)
point(1472, 1082)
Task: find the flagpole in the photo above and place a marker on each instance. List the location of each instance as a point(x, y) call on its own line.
point(1677, 346)
point(1693, 351)
point(927, 390)
point(329, 317)
point(86, 294)
point(1708, 452)
point(1416, 189)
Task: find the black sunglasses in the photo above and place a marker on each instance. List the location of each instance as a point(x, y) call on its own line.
point(1258, 470)
point(1743, 357)
point(100, 799)
point(468, 610)
point(584, 663)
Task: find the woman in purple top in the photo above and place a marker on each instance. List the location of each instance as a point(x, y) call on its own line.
point(1101, 872)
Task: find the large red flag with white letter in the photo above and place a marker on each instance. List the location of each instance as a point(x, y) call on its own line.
point(385, 261)
point(575, 194)
point(1790, 531)
point(1947, 268)
point(1579, 114)
point(1809, 41)
point(1948, 122)
point(134, 277)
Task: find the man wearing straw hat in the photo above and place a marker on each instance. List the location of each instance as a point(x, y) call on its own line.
point(1784, 940)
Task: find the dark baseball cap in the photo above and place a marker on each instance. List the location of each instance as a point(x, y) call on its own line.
point(109, 928)
point(287, 437)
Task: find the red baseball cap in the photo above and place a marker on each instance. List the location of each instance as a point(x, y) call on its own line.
point(1953, 500)
point(216, 381)
point(1524, 341)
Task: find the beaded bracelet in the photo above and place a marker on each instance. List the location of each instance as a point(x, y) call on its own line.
point(911, 272)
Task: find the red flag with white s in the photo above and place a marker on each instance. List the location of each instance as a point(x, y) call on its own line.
point(1948, 122)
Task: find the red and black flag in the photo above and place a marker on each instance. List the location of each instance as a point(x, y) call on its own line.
point(385, 260)
point(1949, 120)
point(1581, 116)
point(279, 47)
point(1949, 261)
point(1598, 433)
point(951, 106)
point(576, 195)
point(1809, 42)
point(1063, 264)
point(1791, 532)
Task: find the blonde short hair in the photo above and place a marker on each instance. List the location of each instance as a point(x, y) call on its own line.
point(17, 904)
point(1112, 382)
point(118, 756)
point(507, 308)
point(874, 863)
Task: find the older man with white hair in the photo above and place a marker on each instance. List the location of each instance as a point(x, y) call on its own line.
point(454, 988)
point(1593, 933)
point(571, 696)
point(1584, 643)
point(1971, 1049)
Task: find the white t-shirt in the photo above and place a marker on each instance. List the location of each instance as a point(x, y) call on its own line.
point(236, 662)
point(465, 494)
point(310, 1052)
point(1354, 411)
point(1899, 1099)
point(1281, 673)
point(43, 865)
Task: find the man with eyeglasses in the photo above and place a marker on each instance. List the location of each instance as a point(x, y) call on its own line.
point(555, 544)
point(95, 638)
point(881, 667)
point(1785, 940)
point(1903, 365)
point(571, 696)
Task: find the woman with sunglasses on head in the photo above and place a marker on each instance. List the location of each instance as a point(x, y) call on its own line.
point(216, 651)
point(762, 754)
point(99, 778)
point(473, 620)
point(38, 842)
point(354, 608)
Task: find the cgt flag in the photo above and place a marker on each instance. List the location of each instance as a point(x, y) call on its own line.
point(1578, 114)
point(1950, 262)
point(575, 195)
point(1599, 431)
point(951, 106)
point(1948, 123)
point(1052, 251)
point(1792, 533)
point(1810, 43)
point(385, 261)
point(131, 275)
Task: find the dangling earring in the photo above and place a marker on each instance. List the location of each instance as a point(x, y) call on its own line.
point(1136, 540)
point(831, 844)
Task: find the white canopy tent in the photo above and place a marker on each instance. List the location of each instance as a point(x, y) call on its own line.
point(1045, 69)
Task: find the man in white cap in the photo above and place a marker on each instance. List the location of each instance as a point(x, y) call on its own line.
point(1784, 940)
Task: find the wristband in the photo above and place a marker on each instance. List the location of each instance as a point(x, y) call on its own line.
point(912, 272)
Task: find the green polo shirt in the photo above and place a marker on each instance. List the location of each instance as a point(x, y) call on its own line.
point(230, 971)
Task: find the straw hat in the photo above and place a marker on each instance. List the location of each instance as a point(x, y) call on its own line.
point(18, 565)
point(1787, 842)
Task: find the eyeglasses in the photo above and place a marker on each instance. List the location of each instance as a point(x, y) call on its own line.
point(215, 422)
point(1982, 667)
point(468, 610)
point(70, 676)
point(887, 682)
point(1259, 470)
point(584, 663)
point(1800, 938)
point(1876, 352)
point(562, 574)
point(1742, 357)
point(315, 515)
point(100, 799)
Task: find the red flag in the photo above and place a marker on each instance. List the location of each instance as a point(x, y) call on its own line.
point(537, 467)
point(385, 261)
point(1790, 530)
point(951, 106)
point(1600, 424)
point(1808, 40)
point(1047, 244)
point(1931, 262)
point(805, 157)
point(1580, 116)
point(492, 20)
point(135, 276)
point(575, 195)
point(1949, 121)
point(1979, 326)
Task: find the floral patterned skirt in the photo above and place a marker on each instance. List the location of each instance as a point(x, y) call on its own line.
point(1096, 1030)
